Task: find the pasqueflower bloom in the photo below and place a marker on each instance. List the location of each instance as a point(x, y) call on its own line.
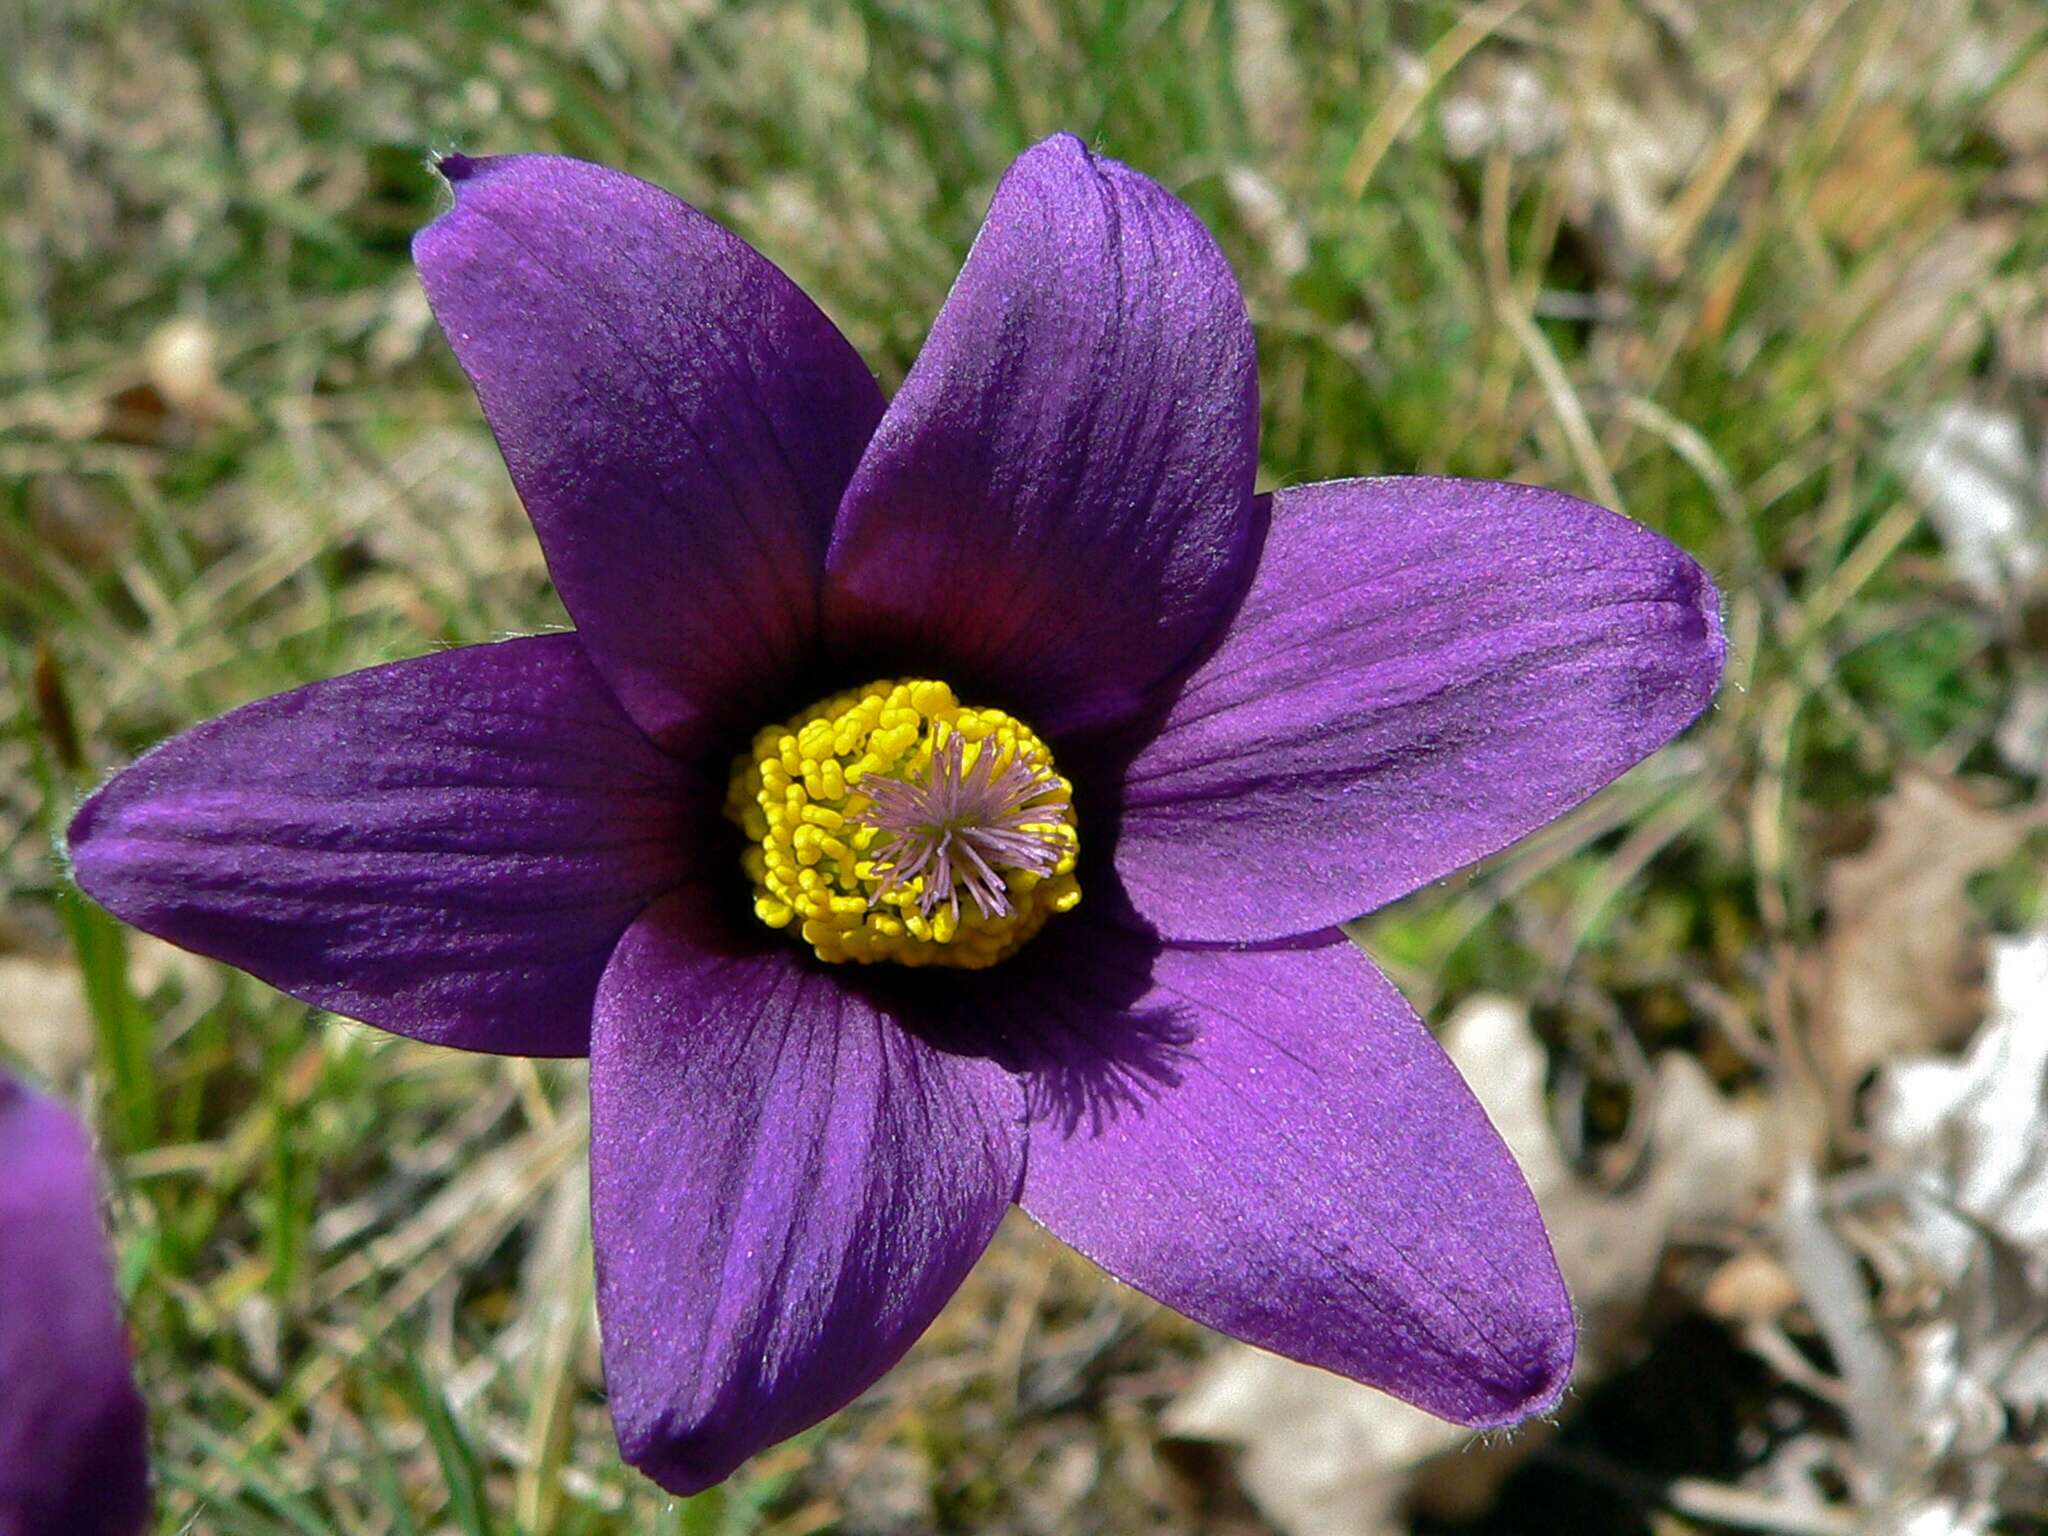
point(941, 803)
point(73, 1451)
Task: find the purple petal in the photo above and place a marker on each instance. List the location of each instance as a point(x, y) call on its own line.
point(74, 1455)
point(1271, 1142)
point(447, 847)
point(786, 1187)
point(1423, 671)
point(679, 419)
point(1059, 502)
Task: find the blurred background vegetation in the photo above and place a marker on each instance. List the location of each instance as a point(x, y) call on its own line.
point(1766, 274)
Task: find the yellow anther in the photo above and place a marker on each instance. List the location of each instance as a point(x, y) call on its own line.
point(820, 861)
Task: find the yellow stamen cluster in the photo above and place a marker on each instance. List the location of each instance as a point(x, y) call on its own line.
point(811, 853)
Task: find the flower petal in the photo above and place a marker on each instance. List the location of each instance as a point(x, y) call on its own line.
point(786, 1186)
point(1059, 502)
point(1291, 1158)
point(1423, 671)
point(74, 1455)
point(447, 847)
point(679, 418)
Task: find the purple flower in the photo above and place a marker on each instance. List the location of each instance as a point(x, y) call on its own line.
point(73, 1449)
point(695, 837)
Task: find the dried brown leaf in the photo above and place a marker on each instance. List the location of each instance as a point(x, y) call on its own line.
point(1900, 963)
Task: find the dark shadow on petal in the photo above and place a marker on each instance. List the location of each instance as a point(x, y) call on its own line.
point(1090, 1059)
point(1068, 1015)
point(1078, 1018)
point(1074, 1013)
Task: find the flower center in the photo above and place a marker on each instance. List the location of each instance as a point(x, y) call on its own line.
point(891, 823)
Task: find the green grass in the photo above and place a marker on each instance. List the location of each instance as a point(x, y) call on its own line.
point(358, 1268)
